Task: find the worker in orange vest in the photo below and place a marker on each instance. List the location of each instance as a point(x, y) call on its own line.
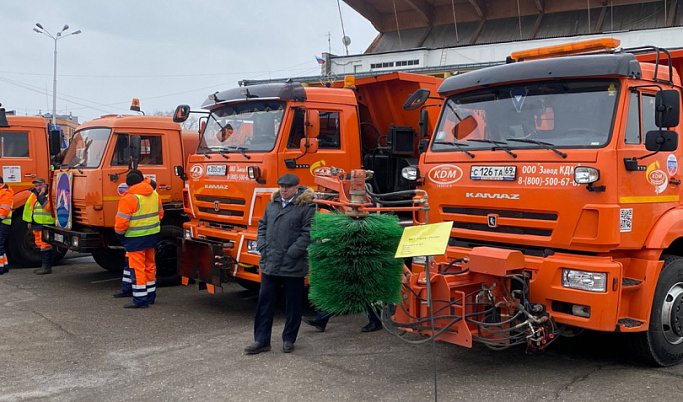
point(138, 221)
point(6, 203)
point(37, 213)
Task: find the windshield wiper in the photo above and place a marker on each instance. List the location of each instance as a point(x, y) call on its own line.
point(241, 150)
point(459, 146)
point(498, 145)
point(545, 145)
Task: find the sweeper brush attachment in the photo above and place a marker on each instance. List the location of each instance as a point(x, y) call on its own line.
point(352, 262)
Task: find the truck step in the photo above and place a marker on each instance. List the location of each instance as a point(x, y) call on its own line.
point(630, 282)
point(629, 322)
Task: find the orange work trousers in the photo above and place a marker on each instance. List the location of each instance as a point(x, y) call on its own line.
point(144, 276)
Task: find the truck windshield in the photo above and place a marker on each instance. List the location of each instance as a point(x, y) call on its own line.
point(243, 127)
point(87, 148)
point(559, 114)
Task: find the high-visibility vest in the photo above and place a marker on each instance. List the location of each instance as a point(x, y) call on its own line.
point(8, 219)
point(34, 212)
point(145, 221)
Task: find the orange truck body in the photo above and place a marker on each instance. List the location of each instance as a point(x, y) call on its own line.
point(224, 196)
point(98, 160)
point(519, 212)
point(24, 156)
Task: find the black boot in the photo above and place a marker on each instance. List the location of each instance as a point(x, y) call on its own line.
point(47, 257)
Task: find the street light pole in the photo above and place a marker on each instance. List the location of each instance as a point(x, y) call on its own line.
point(39, 29)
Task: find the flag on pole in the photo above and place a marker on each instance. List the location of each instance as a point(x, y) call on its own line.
point(320, 61)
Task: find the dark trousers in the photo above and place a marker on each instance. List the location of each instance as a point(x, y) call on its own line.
point(322, 317)
point(263, 320)
point(4, 232)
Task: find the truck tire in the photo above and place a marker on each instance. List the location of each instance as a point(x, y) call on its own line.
point(166, 255)
point(249, 285)
point(662, 344)
point(110, 259)
point(59, 254)
point(22, 246)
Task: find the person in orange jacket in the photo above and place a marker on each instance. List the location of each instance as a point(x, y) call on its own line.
point(137, 224)
point(6, 204)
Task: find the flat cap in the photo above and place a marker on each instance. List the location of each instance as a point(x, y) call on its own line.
point(39, 180)
point(288, 180)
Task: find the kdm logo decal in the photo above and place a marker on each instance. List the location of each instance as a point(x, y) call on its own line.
point(445, 174)
point(196, 171)
point(657, 177)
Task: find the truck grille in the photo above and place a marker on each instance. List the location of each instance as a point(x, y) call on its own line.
point(221, 200)
point(223, 206)
point(462, 218)
point(79, 214)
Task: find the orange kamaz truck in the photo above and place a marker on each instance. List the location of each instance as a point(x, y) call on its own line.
point(91, 180)
point(27, 148)
point(560, 172)
point(253, 134)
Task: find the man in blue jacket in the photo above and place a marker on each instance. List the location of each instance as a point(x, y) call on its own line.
point(283, 236)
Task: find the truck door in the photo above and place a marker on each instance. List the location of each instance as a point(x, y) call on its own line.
point(648, 190)
point(332, 146)
point(153, 155)
point(18, 158)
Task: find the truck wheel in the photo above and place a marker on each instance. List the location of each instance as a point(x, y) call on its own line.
point(22, 246)
point(110, 259)
point(249, 285)
point(662, 344)
point(166, 255)
point(59, 254)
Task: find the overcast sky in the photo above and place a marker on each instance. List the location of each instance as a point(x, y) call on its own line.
point(165, 52)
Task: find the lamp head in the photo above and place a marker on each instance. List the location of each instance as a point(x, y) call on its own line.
point(39, 26)
point(65, 27)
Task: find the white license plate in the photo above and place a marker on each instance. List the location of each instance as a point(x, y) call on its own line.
point(506, 173)
point(216, 170)
point(59, 238)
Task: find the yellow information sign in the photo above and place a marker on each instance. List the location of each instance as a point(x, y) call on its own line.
point(424, 240)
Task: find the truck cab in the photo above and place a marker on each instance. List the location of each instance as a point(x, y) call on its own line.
point(561, 179)
point(26, 151)
point(92, 179)
point(252, 135)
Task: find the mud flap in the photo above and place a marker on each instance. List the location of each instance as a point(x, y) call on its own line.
point(202, 261)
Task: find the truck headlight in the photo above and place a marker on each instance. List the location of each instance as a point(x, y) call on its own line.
point(584, 280)
point(74, 241)
point(586, 175)
point(187, 234)
point(410, 173)
point(251, 247)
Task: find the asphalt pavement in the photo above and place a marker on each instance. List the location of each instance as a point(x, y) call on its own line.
point(64, 338)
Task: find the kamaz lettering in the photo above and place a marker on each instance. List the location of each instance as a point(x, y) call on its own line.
point(493, 196)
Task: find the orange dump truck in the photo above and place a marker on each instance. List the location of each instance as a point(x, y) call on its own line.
point(254, 134)
point(87, 187)
point(562, 179)
point(26, 150)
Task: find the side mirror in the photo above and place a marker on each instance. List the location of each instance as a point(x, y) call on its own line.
point(55, 138)
point(422, 147)
point(312, 125)
point(134, 150)
point(3, 118)
point(179, 171)
point(309, 145)
point(424, 120)
point(661, 141)
point(465, 127)
point(181, 113)
point(417, 99)
point(667, 108)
